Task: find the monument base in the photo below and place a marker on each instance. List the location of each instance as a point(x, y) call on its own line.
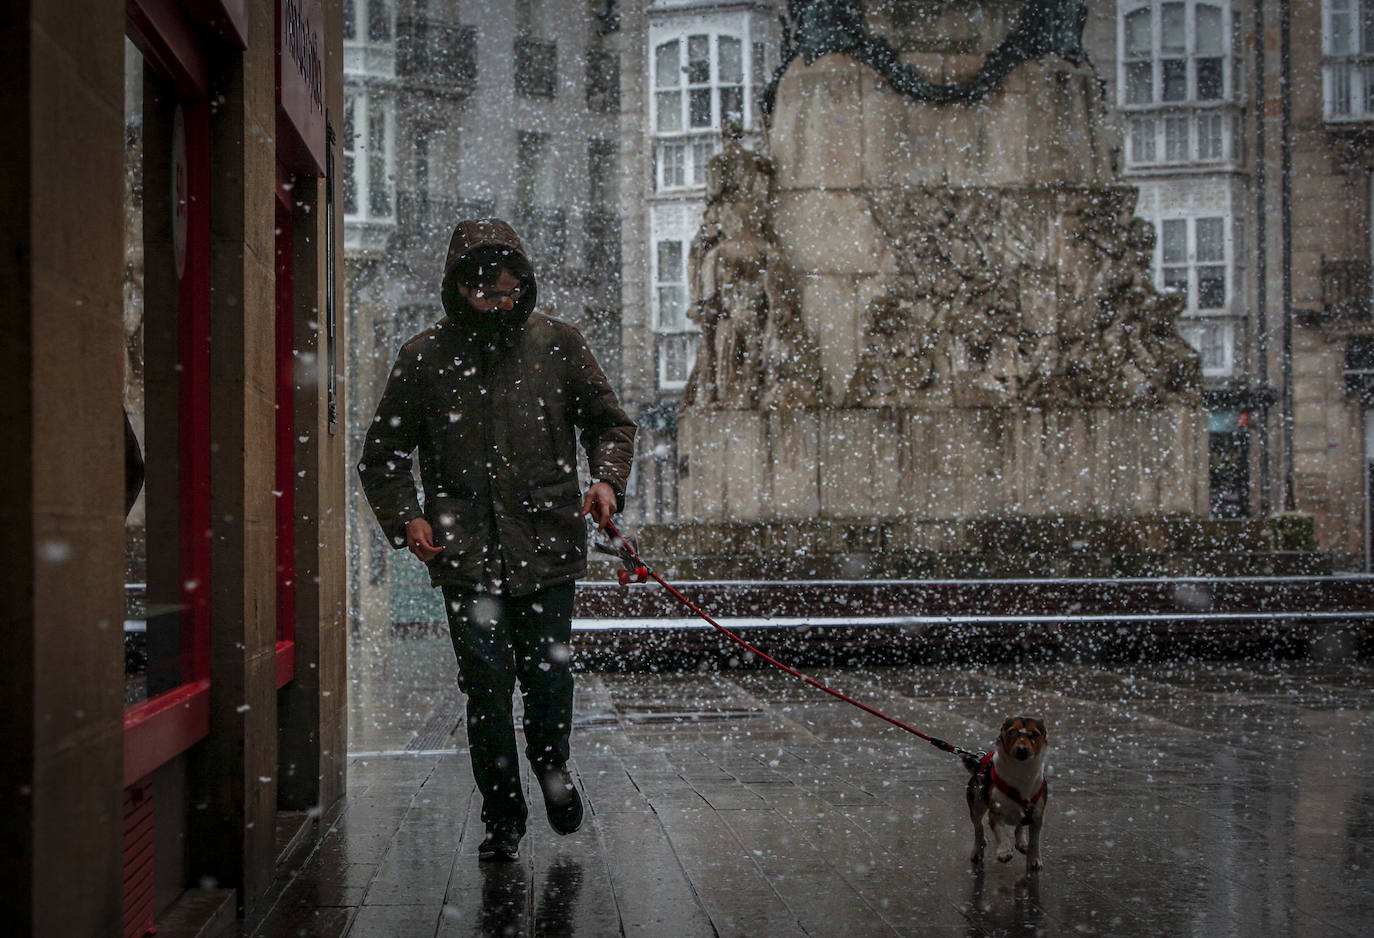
point(1003, 463)
point(1037, 548)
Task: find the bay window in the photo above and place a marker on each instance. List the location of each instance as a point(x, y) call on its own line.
point(1348, 60)
point(1175, 81)
point(701, 82)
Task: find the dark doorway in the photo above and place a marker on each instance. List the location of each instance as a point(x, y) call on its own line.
point(1229, 466)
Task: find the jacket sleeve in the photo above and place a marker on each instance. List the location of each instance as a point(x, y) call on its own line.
point(608, 434)
point(384, 467)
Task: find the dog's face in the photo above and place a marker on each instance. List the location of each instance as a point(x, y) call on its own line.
point(1022, 738)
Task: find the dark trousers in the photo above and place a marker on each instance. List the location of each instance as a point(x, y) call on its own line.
point(499, 639)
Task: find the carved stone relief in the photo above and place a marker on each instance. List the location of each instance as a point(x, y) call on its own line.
point(1032, 295)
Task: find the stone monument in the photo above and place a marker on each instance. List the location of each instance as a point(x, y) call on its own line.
point(926, 305)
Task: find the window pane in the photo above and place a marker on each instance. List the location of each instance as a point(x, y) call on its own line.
point(671, 158)
point(759, 72)
point(1211, 287)
point(671, 313)
point(1176, 280)
point(731, 70)
point(1367, 27)
point(1211, 245)
point(667, 71)
point(1340, 90)
point(1173, 37)
point(1340, 28)
point(732, 104)
point(1209, 137)
point(698, 60)
point(702, 151)
point(1139, 82)
point(1173, 240)
point(1209, 39)
point(350, 19)
point(679, 354)
point(347, 140)
point(1143, 141)
point(1176, 139)
point(669, 111)
point(1175, 79)
point(378, 187)
point(1138, 39)
point(699, 104)
point(1208, 79)
point(669, 261)
point(350, 185)
point(379, 20)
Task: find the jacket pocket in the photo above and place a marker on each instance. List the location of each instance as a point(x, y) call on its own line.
point(458, 527)
point(560, 534)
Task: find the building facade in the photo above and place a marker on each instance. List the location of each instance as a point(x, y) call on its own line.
point(1246, 128)
point(172, 247)
point(457, 109)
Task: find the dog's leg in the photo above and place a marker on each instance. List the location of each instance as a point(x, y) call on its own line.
point(999, 837)
point(976, 809)
point(1033, 841)
point(1021, 837)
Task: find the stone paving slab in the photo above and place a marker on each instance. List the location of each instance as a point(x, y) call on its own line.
point(1187, 798)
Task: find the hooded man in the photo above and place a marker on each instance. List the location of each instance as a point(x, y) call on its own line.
point(495, 397)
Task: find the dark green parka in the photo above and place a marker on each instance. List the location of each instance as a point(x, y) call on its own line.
point(495, 410)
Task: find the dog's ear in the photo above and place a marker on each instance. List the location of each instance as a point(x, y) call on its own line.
point(1008, 723)
point(1039, 724)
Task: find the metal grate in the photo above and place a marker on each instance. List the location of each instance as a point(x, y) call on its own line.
point(138, 859)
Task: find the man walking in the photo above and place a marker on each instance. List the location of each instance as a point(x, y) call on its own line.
point(495, 397)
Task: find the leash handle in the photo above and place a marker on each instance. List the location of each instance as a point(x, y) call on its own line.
point(626, 548)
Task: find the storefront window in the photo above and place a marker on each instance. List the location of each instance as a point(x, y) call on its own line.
point(165, 299)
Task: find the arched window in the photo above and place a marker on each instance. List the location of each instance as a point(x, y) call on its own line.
point(1174, 80)
point(701, 81)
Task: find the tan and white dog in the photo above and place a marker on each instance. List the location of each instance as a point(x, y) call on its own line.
point(1008, 788)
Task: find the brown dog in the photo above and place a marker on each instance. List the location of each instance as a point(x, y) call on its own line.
point(1008, 787)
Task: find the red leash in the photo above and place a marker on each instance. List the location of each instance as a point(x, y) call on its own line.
point(642, 573)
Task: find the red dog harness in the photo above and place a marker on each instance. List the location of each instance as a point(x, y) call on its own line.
point(985, 767)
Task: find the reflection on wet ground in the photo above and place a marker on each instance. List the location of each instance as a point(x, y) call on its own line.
point(1226, 798)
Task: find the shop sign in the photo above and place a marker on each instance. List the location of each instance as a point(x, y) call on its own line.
point(300, 82)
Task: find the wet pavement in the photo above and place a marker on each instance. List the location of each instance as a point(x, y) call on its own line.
point(1222, 798)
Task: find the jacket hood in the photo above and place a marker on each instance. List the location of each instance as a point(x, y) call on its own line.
point(468, 236)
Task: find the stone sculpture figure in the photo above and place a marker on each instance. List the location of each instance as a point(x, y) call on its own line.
point(753, 351)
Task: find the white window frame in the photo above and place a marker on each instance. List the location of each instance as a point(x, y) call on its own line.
point(688, 172)
point(681, 331)
point(362, 22)
point(667, 280)
point(362, 150)
point(1347, 62)
point(688, 340)
point(1214, 339)
point(1152, 125)
point(1192, 263)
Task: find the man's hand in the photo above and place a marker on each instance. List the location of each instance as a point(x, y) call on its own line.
point(420, 539)
point(599, 503)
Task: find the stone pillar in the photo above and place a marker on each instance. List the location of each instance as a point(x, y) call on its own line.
point(233, 772)
point(61, 502)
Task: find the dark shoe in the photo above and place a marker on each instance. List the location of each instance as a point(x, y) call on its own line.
point(562, 803)
point(502, 843)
